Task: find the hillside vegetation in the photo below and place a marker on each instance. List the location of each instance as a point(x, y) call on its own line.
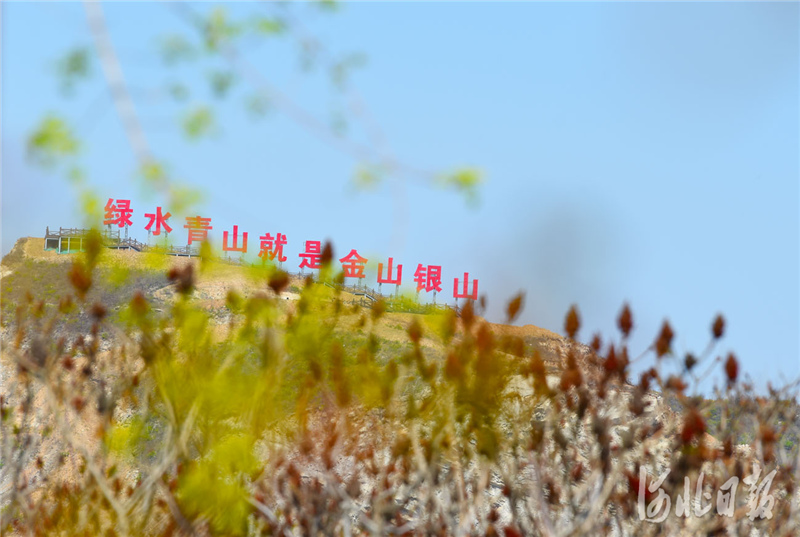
point(143, 394)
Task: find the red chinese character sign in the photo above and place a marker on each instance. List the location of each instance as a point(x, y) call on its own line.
point(426, 277)
point(198, 228)
point(429, 278)
point(160, 220)
point(118, 213)
point(312, 255)
point(272, 247)
point(388, 279)
point(353, 265)
point(233, 247)
point(465, 293)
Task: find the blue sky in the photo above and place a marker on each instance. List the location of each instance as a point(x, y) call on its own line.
point(639, 152)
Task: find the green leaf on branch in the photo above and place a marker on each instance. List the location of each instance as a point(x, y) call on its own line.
point(183, 198)
point(268, 25)
point(367, 178)
point(154, 175)
point(52, 140)
point(73, 67)
point(198, 123)
point(219, 29)
point(466, 181)
point(221, 82)
point(328, 5)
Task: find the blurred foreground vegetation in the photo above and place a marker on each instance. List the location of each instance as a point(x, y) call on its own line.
point(128, 414)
